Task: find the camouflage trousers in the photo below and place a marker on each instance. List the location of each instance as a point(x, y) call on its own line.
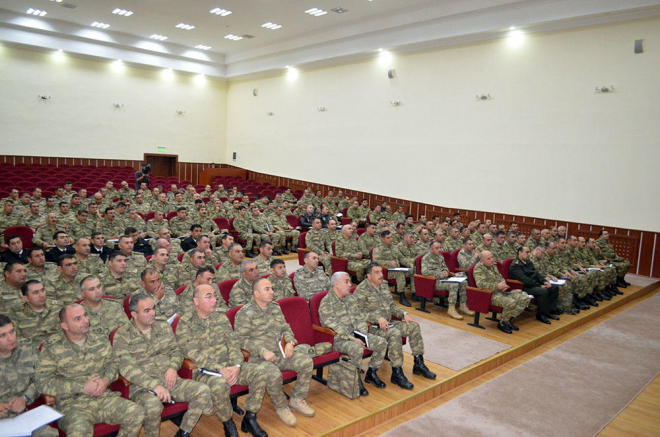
point(82, 413)
point(610, 275)
point(250, 239)
point(565, 298)
point(358, 266)
point(513, 303)
point(456, 291)
point(595, 279)
point(355, 351)
point(393, 337)
point(327, 265)
point(45, 431)
point(401, 280)
point(275, 238)
point(260, 378)
point(197, 395)
point(293, 234)
point(580, 286)
point(302, 364)
point(622, 265)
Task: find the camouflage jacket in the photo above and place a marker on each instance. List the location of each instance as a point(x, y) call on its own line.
point(354, 213)
point(541, 265)
point(45, 235)
point(138, 224)
point(18, 375)
point(607, 251)
point(10, 220)
point(119, 288)
point(342, 315)
point(316, 242)
point(79, 230)
point(50, 271)
point(34, 222)
point(222, 255)
point(384, 255)
point(154, 227)
point(243, 225)
point(261, 224)
point(110, 228)
point(64, 367)
point(93, 265)
point(64, 290)
point(366, 243)
point(227, 271)
point(281, 289)
point(167, 306)
point(375, 303)
point(309, 283)
point(263, 265)
point(241, 293)
point(10, 297)
point(180, 227)
point(168, 276)
point(111, 315)
point(509, 250)
point(487, 277)
point(434, 265)
point(497, 251)
point(407, 252)
point(451, 245)
point(465, 259)
point(423, 248)
point(260, 329)
point(186, 304)
point(35, 326)
point(211, 343)
point(144, 360)
point(346, 247)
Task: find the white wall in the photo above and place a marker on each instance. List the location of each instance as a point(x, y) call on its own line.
point(546, 145)
point(80, 121)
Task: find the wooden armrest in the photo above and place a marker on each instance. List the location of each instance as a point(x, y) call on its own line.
point(324, 330)
point(246, 354)
point(189, 364)
point(480, 290)
point(461, 270)
point(432, 278)
point(513, 281)
point(123, 381)
point(451, 274)
point(369, 324)
point(48, 400)
point(338, 257)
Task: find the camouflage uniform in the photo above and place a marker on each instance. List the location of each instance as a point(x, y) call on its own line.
point(355, 214)
point(36, 326)
point(316, 242)
point(93, 265)
point(330, 237)
point(64, 290)
point(62, 369)
point(260, 329)
point(509, 250)
point(260, 226)
point(281, 289)
point(512, 302)
point(607, 252)
point(565, 298)
point(34, 222)
point(135, 263)
point(18, 380)
point(263, 265)
point(465, 259)
point(596, 278)
point(50, 271)
point(186, 304)
point(451, 245)
point(143, 361)
point(240, 294)
point(212, 344)
point(434, 266)
point(366, 243)
point(10, 297)
point(423, 248)
point(167, 306)
point(282, 222)
point(588, 258)
point(244, 228)
point(384, 255)
point(168, 276)
point(409, 252)
point(375, 303)
point(180, 227)
point(78, 230)
point(109, 229)
point(227, 271)
point(153, 227)
point(119, 288)
point(477, 238)
point(309, 283)
point(138, 224)
point(344, 316)
point(66, 219)
point(9, 220)
point(497, 251)
point(45, 235)
point(557, 266)
point(222, 255)
point(111, 315)
point(346, 248)
point(532, 243)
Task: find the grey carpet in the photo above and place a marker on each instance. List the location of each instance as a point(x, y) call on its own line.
point(453, 348)
point(575, 389)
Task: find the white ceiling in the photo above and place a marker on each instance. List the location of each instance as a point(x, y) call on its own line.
point(303, 40)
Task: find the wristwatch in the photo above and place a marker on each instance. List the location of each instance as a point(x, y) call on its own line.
point(28, 401)
point(238, 365)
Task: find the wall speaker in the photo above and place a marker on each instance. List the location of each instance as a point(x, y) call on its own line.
point(639, 46)
point(233, 156)
point(391, 73)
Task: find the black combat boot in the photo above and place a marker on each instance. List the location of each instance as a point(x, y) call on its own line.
point(400, 379)
point(419, 368)
point(249, 424)
point(182, 433)
point(363, 391)
point(372, 378)
point(230, 428)
point(402, 299)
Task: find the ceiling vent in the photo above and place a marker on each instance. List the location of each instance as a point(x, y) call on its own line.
point(69, 6)
point(339, 10)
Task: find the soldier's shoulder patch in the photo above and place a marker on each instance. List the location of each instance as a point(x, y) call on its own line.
point(516, 262)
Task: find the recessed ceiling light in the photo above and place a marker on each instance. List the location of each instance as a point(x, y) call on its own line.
point(339, 10)
point(202, 47)
point(271, 26)
point(158, 37)
point(185, 26)
point(512, 28)
point(100, 25)
point(56, 1)
point(36, 12)
point(122, 12)
point(316, 12)
point(220, 11)
point(233, 37)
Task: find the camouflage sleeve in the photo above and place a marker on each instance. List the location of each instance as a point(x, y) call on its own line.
point(29, 356)
point(330, 320)
point(284, 328)
point(312, 245)
point(38, 238)
point(167, 306)
point(378, 256)
point(481, 280)
point(243, 328)
point(363, 303)
point(428, 269)
point(47, 381)
point(127, 366)
point(362, 246)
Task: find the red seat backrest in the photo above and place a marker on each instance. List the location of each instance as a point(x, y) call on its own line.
point(296, 314)
point(505, 266)
point(314, 305)
point(449, 261)
point(225, 288)
point(222, 223)
point(454, 257)
point(418, 264)
point(231, 314)
point(175, 323)
point(112, 335)
point(470, 271)
point(301, 240)
point(24, 232)
point(180, 256)
point(334, 252)
point(291, 278)
point(127, 308)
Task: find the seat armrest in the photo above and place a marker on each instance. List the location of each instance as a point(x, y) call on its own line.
point(189, 364)
point(327, 331)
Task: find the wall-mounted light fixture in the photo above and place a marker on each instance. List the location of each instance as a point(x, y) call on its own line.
point(255, 92)
point(270, 114)
point(483, 97)
point(118, 105)
point(321, 109)
point(391, 73)
point(180, 112)
point(605, 89)
point(396, 102)
point(43, 97)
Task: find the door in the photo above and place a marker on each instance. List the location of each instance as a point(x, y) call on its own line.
point(162, 165)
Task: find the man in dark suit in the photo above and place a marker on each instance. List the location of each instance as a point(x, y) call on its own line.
point(61, 242)
point(189, 243)
point(99, 247)
point(546, 294)
point(15, 252)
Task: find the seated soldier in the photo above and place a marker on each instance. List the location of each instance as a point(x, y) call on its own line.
point(433, 264)
point(222, 253)
point(167, 303)
point(261, 225)
point(206, 337)
point(513, 302)
point(173, 245)
point(17, 366)
point(282, 227)
point(346, 246)
point(241, 292)
point(423, 246)
point(65, 287)
point(340, 312)
point(167, 269)
point(204, 276)
point(44, 235)
point(61, 243)
point(104, 314)
point(261, 328)
point(181, 223)
point(282, 286)
point(117, 282)
point(468, 255)
point(309, 279)
point(388, 255)
point(38, 268)
point(188, 271)
point(356, 213)
point(10, 288)
point(317, 243)
point(368, 241)
point(98, 246)
point(230, 269)
point(375, 302)
point(453, 241)
point(135, 261)
point(88, 263)
point(80, 376)
point(243, 225)
point(264, 258)
point(38, 318)
point(148, 355)
point(607, 253)
point(157, 223)
point(15, 252)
